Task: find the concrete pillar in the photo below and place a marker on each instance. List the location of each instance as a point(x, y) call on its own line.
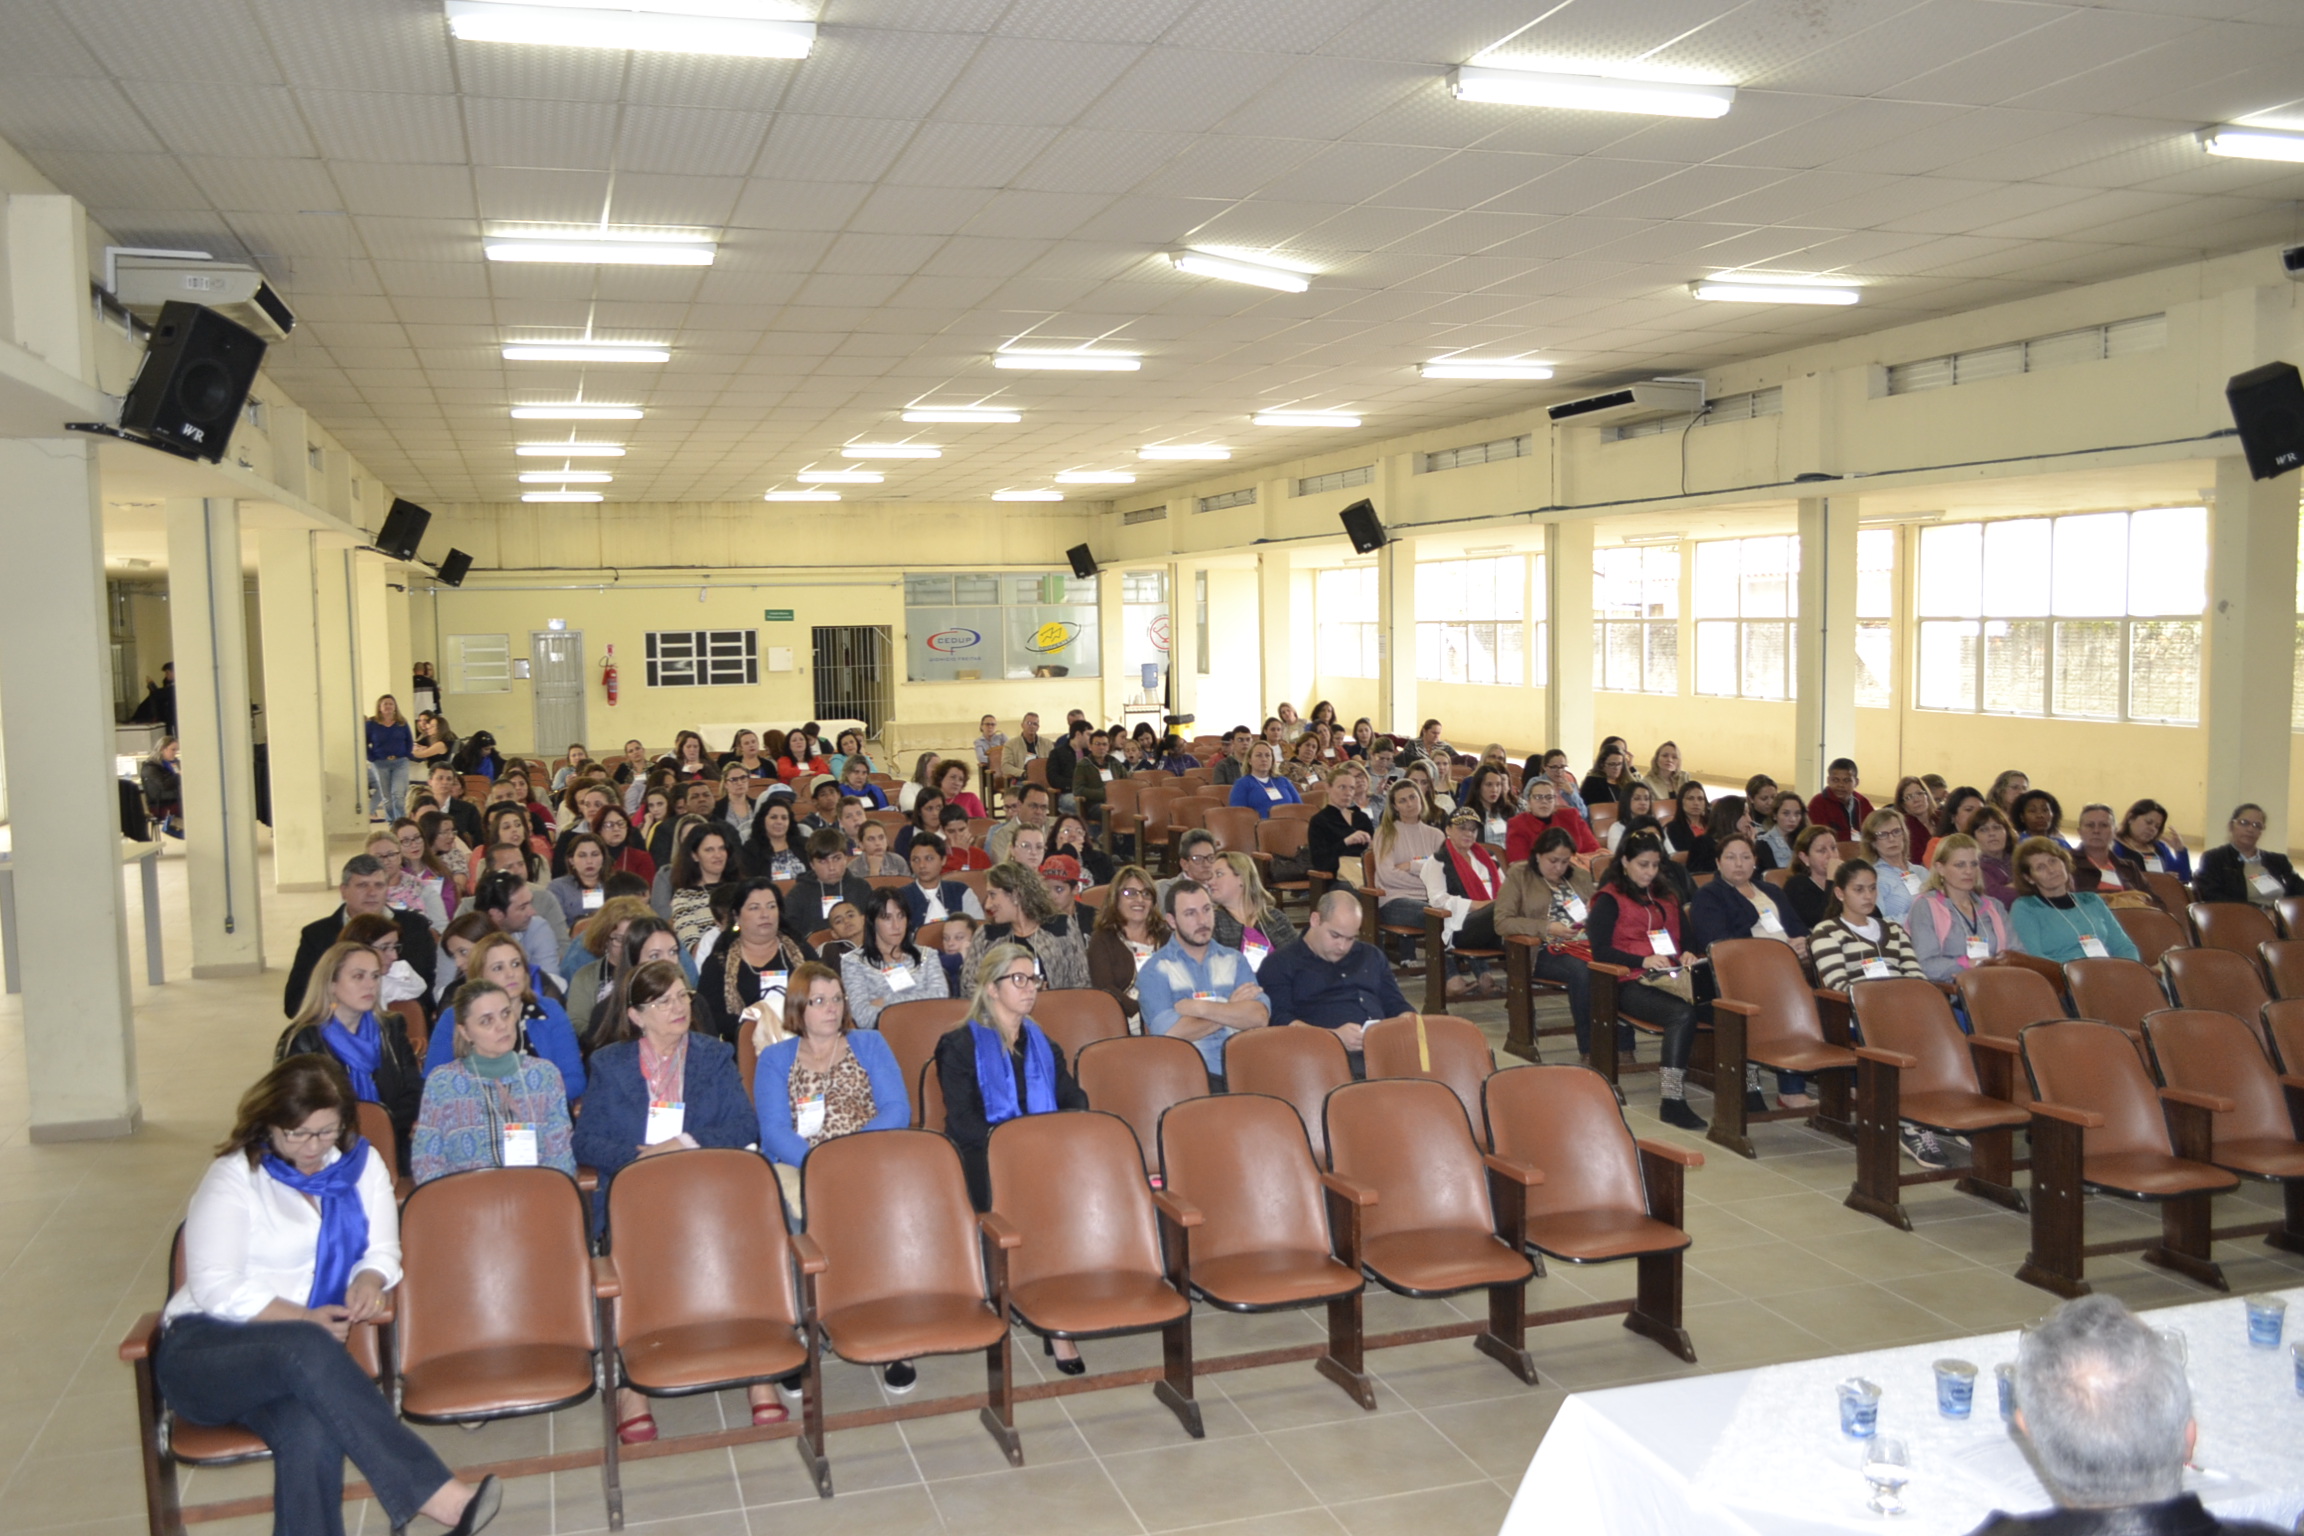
point(1183, 639)
point(208, 623)
point(1569, 718)
point(286, 585)
point(2249, 653)
point(1275, 598)
point(343, 741)
point(1397, 697)
point(48, 281)
point(1824, 639)
point(55, 670)
point(372, 632)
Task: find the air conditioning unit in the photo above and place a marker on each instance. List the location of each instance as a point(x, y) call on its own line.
point(1634, 402)
point(143, 283)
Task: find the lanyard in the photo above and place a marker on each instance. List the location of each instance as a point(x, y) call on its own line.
point(1976, 923)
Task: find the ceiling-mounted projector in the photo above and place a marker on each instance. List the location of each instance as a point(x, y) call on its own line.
point(1634, 402)
point(144, 281)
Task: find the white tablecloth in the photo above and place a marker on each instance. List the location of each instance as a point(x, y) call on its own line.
point(1746, 1452)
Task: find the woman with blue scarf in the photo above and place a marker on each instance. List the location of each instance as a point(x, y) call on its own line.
point(342, 1018)
point(292, 1239)
point(998, 1065)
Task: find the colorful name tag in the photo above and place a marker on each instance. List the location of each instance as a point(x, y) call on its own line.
point(1661, 942)
point(808, 1117)
point(1876, 969)
point(665, 1121)
point(2093, 947)
point(1978, 949)
point(519, 1146)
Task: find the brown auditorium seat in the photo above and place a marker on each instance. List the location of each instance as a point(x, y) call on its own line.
point(2215, 978)
point(1521, 984)
point(2116, 992)
point(1242, 1212)
point(1434, 1045)
point(2153, 932)
point(2001, 1000)
point(2290, 910)
point(1767, 1013)
point(2239, 926)
point(1077, 1017)
point(1435, 927)
point(928, 1100)
point(705, 1296)
point(2098, 1125)
point(2231, 1106)
point(1284, 837)
point(903, 1274)
point(2284, 1026)
point(1297, 1063)
point(1605, 1196)
point(1434, 1227)
point(1234, 825)
point(912, 1030)
point(2283, 963)
point(376, 1130)
point(1916, 1065)
point(1137, 1077)
point(1300, 812)
point(412, 1019)
point(1076, 1244)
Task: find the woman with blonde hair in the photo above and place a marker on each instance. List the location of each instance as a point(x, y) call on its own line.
point(1403, 841)
point(1954, 926)
point(597, 945)
point(1246, 919)
point(391, 758)
point(344, 1020)
point(543, 1024)
point(1887, 841)
point(1664, 775)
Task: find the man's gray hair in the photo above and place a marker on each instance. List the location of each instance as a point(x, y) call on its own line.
point(2105, 1405)
point(360, 864)
point(1195, 838)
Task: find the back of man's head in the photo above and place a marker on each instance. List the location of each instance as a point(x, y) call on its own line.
point(2105, 1405)
point(496, 890)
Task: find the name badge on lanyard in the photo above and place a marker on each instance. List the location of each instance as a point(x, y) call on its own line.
point(664, 1122)
point(1979, 948)
point(1575, 908)
point(2268, 883)
point(1254, 954)
point(1661, 942)
point(1770, 920)
point(1271, 791)
point(898, 977)
point(808, 1117)
point(519, 1146)
point(2153, 866)
point(2093, 947)
point(1876, 969)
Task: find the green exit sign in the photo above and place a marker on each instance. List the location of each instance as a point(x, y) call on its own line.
point(777, 615)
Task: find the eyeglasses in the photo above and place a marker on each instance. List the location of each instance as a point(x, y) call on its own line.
point(2249, 826)
point(1199, 858)
point(311, 1138)
point(1023, 979)
point(666, 1000)
point(1138, 892)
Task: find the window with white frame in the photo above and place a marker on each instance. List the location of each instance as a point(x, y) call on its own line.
point(1875, 613)
point(479, 664)
point(1470, 618)
point(1344, 613)
point(703, 658)
point(2093, 616)
point(1746, 597)
point(1636, 619)
point(1539, 622)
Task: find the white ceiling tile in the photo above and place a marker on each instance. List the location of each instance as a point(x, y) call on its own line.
point(516, 196)
point(703, 80)
point(406, 191)
point(1183, 90)
point(968, 154)
point(564, 134)
point(1035, 215)
point(805, 205)
point(706, 201)
point(806, 148)
point(689, 141)
point(264, 186)
point(1034, 80)
point(371, 125)
point(888, 74)
point(1084, 160)
point(208, 41)
point(357, 46)
point(223, 119)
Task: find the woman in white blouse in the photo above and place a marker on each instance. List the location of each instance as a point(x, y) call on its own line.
point(1887, 843)
point(291, 1240)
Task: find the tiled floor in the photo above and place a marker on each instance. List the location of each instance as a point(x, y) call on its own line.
point(1780, 1270)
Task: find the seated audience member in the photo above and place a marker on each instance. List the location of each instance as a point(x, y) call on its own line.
point(1918, 808)
point(494, 1105)
point(445, 853)
point(745, 753)
point(1128, 929)
point(737, 801)
point(1787, 818)
point(1547, 896)
point(447, 786)
point(1853, 944)
point(1740, 905)
point(344, 1018)
point(1463, 877)
point(1544, 812)
point(1688, 828)
point(1430, 747)
point(683, 894)
point(2106, 1408)
point(1019, 910)
point(827, 883)
point(1635, 804)
point(506, 825)
point(873, 859)
point(961, 853)
point(823, 1077)
point(2056, 920)
point(509, 903)
point(1092, 776)
point(360, 892)
point(404, 889)
point(886, 966)
point(1260, 788)
point(776, 848)
point(581, 892)
point(1815, 854)
point(1332, 980)
point(1487, 793)
point(1234, 762)
point(632, 767)
point(931, 897)
point(843, 931)
point(952, 783)
point(423, 858)
point(1954, 925)
point(1996, 842)
point(569, 766)
point(2145, 842)
point(1246, 918)
point(2241, 870)
point(1064, 877)
point(802, 757)
point(2097, 867)
point(1176, 757)
point(543, 1024)
point(823, 814)
point(920, 785)
point(1636, 924)
point(400, 982)
point(694, 804)
point(1302, 764)
point(1665, 775)
point(477, 755)
point(1839, 806)
point(960, 932)
point(1552, 767)
point(1439, 804)
point(850, 749)
point(1760, 796)
point(743, 981)
point(1340, 829)
point(590, 965)
point(1195, 988)
point(614, 829)
point(2038, 813)
point(1611, 775)
point(292, 1237)
point(1070, 840)
point(1956, 814)
point(1887, 846)
point(1729, 816)
point(1027, 807)
point(856, 784)
point(1403, 841)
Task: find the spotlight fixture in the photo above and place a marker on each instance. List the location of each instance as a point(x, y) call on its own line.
point(563, 496)
point(586, 352)
point(1027, 495)
point(840, 476)
point(802, 496)
point(1465, 368)
point(1263, 273)
point(1184, 451)
point(566, 477)
point(1095, 477)
point(737, 28)
point(576, 413)
point(962, 415)
point(1734, 288)
point(890, 451)
point(604, 246)
point(1589, 93)
point(1079, 360)
point(2240, 142)
point(1304, 419)
point(568, 451)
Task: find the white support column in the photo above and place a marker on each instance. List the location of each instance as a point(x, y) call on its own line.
point(1275, 596)
point(1570, 721)
point(208, 623)
point(2249, 652)
point(1397, 700)
point(1824, 639)
point(286, 584)
point(1183, 639)
point(55, 670)
point(372, 631)
point(342, 740)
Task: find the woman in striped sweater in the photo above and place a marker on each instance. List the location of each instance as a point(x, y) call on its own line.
point(1854, 943)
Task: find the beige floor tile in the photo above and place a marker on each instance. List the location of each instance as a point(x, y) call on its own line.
point(1502, 1435)
point(1208, 1482)
point(1767, 1269)
point(1449, 1371)
point(862, 1460)
point(1076, 1497)
point(1298, 1522)
point(61, 1490)
point(1885, 1254)
point(907, 1511)
point(1371, 1457)
point(1470, 1509)
point(1129, 1419)
point(1862, 1316)
point(958, 1444)
point(668, 1488)
point(1277, 1397)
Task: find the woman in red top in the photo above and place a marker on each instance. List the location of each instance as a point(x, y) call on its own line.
point(803, 757)
point(614, 829)
point(1635, 924)
point(952, 781)
point(1544, 812)
point(1464, 879)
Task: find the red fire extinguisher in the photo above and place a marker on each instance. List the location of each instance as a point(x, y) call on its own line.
point(608, 674)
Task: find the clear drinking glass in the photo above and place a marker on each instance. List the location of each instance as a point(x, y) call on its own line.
point(1887, 1467)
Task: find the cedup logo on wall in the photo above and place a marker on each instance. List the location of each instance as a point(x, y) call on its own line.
point(947, 641)
point(1051, 636)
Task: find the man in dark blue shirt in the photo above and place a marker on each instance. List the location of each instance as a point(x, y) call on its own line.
point(1332, 980)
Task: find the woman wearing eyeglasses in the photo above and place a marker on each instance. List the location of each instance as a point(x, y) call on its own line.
point(292, 1238)
point(1128, 929)
point(2242, 871)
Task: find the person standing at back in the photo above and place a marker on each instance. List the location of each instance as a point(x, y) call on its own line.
point(391, 758)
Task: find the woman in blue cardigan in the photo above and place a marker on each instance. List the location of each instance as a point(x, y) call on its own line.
point(391, 756)
point(1262, 788)
point(825, 1079)
point(544, 1027)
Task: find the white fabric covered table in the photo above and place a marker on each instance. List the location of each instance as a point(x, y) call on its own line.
point(1747, 1452)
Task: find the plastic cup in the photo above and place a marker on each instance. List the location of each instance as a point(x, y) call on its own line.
point(2174, 1341)
point(1955, 1388)
point(2005, 1375)
point(1859, 1408)
point(2266, 1317)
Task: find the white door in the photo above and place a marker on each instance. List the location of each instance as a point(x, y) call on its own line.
point(556, 677)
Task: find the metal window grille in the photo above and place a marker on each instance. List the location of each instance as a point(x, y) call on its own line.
point(703, 658)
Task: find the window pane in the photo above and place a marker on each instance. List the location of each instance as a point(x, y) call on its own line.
point(1541, 657)
point(1876, 573)
point(2015, 667)
point(1948, 665)
point(1766, 660)
point(1539, 596)
point(1716, 656)
point(2016, 560)
point(1429, 646)
point(2091, 565)
point(2164, 670)
point(1770, 566)
point(1511, 669)
point(1875, 661)
point(1951, 571)
point(2088, 668)
point(1661, 568)
point(1617, 657)
point(1663, 670)
point(1716, 570)
point(2168, 561)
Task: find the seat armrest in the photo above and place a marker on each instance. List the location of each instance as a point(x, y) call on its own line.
point(588, 1178)
point(808, 1254)
point(1831, 995)
point(1747, 1010)
point(1605, 968)
point(1995, 1045)
point(1177, 1209)
point(2213, 1103)
point(2292, 1080)
point(1001, 1230)
point(1438, 912)
point(2085, 1118)
point(142, 1339)
point(1519, 1173)
point(1671, 1153)
point(1351, 1189)
point(1887, 1058)
point(606, 1283)
point(1524, 940)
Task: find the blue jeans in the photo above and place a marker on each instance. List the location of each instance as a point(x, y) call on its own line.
point(301, 1393)
point(388, 786)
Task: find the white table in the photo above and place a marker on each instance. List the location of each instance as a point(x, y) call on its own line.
point(1747, 1452)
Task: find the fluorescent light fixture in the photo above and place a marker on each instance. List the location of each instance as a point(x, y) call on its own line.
point(1027, 495)
point(840, 476)
point(1234, 269)
point(599, 251)
point(566, 477)
point(1074, 360)
point(1729, 289)
point(563, 496)
point(737, 30)
point(1891, 519)
point(586, 352)
point(1589, 93)
point(890, 451)
point(803, 496)
point(2243, 143)
point(1184, 451)
point(964, 415)
point(1304, 419)
point(1464, 368)
point(569, 451)
point(576, 413)
point(1095, 477)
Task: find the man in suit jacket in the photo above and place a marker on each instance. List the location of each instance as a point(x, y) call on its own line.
point(362, 890)
point(826, 884)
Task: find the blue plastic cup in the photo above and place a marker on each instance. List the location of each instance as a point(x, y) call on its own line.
point(2266, 1317)
point(1859, 1408)
point(1955, 1388)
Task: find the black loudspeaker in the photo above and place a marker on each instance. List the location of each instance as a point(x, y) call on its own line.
point(403, 530)
point(1360, 524)
point(2268, 408)
point(453, 569)
point(1083, 563)
point(197, 370)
